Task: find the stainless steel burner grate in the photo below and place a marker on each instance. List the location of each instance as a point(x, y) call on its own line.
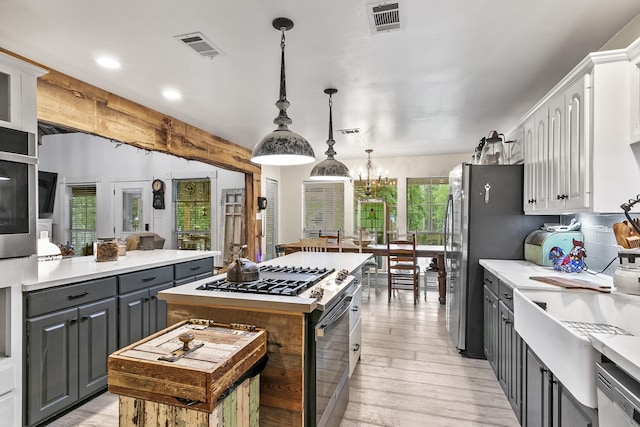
point(585, 328)
point(277, 280)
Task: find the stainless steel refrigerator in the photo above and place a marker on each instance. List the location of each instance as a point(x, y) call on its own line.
point(484, 219)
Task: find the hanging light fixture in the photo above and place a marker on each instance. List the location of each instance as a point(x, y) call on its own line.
point(373, 181)
point(283, 147)
point(330, 169)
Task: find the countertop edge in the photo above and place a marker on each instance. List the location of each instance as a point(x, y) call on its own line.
point(80, 269)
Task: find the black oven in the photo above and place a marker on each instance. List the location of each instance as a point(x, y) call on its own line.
point(18, 206)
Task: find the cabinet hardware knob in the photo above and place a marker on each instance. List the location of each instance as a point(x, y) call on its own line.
point(72, 321)
point(195, 268)
point(146, 299)
point(355, 308)
point(148, 279)
point(84, 318)
point(185, 338)
point(356, 347)
point(506, 295)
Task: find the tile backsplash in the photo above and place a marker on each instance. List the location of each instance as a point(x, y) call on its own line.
point(599, 241)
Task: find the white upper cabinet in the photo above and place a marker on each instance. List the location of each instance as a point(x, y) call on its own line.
point(18, 93)
point(577, 156)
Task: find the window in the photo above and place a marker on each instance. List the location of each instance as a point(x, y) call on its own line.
point(323, 207)
point(192, 213)
point(388, 193)
point(81, 224)
point(426, 205)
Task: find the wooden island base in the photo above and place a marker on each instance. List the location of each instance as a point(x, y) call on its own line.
point(239, 409)
point(282, 380)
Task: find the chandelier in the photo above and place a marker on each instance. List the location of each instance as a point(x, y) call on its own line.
point(282, 147)
point(373, 182)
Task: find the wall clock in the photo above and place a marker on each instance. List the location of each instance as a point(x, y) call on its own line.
point(158, 193)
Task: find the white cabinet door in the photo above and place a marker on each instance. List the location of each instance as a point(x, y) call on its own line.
point(539, 149)
point(634, 131)
point(10, 97)
point(132, 207)
point(557, 152)
point(530, 155)
point(577, 137)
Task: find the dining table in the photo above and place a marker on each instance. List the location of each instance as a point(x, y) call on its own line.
point(422, 251)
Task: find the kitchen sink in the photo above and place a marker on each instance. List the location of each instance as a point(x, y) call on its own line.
point(556, 326)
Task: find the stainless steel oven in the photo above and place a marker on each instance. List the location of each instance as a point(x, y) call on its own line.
point(18, 180)
point(328, 378)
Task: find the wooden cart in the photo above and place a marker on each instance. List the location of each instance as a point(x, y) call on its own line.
point(195, 373)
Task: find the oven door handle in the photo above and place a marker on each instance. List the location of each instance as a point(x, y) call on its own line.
point(326, 324)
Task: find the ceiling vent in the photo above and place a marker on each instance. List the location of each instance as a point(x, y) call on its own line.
point(199, 43)
point(384, 17)
point(348, 131)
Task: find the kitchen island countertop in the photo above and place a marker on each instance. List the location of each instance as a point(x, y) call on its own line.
point(188, 294)
point(55, 273)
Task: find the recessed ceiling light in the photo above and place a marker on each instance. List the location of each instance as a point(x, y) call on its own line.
point(108, 62)
point(171, 94)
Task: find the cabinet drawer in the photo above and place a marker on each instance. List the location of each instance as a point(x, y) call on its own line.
point(355, 346)
point(145, 279)
point(62, 297)
point(491, 281)
point(506, 295)
point(194, 268)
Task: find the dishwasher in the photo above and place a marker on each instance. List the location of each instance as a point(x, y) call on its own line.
point(618, 397)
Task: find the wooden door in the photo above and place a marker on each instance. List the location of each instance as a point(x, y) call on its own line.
point(234, 223)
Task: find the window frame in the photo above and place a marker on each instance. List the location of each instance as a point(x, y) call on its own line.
point(330, 199)
point(431, 233)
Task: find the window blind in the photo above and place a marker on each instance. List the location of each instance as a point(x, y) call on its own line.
point(271, 214)
point(323, 207)
point(81, 219)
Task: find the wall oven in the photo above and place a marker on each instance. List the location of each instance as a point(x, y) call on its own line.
point(18, 206)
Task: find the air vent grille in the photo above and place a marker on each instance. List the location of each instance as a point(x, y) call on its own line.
point(199, 43)
point(384, 17)
point(348, 131)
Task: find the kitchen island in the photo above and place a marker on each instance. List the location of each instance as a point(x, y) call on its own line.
point(288, 383)
point(78, 311)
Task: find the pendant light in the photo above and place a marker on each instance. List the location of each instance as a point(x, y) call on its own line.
point(330, 169)
point(283, 147)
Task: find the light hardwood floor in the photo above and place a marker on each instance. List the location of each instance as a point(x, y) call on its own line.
point(410, 374)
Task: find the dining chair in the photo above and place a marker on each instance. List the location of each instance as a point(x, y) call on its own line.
point(314, 244)
point(333, 237)
point(403, 271)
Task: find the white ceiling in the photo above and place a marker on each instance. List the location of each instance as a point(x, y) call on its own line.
point(457, 70)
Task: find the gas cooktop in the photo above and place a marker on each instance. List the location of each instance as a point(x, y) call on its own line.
point(274, 280)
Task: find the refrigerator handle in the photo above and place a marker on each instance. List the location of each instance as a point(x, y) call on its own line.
point(448, 216)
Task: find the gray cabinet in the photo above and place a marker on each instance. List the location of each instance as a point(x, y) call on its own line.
point(491, 328)
point(190, 271)
point(70, 332)
point(548, 403)
point(503, 345)
point(141, 312)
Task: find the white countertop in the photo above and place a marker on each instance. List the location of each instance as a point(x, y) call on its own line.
point(623, 350)
point(68, 270)
point(516, 274)
point(188, 294)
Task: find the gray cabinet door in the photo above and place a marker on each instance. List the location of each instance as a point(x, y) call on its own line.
point(538, 393)
point(516, 364)
point(491, 328)
point(134, 316)
point(97, 339)
point(504, 346)
point(52, 382)
point(572, 412)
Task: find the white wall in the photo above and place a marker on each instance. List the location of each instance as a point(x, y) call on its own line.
point(290, 180)
point(78, 156)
